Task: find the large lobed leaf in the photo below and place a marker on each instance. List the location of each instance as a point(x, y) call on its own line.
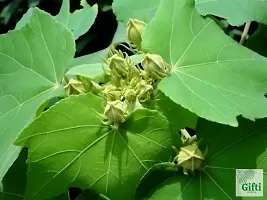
point(237, 12)
point(212, 76)
point(33, 61)
point(228, 149)
point(80, 21)
point(138, 9)
point(69, 146)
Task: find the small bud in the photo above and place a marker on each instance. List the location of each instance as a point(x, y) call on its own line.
point(130, 94)
point(135, 29)
point(114, 111)
point(133, 71)
point(117, 66)
point(144, 91)
point(134, 82)
point(154, 66)
point(190, 157)
point(74, 87)
point(111, 92)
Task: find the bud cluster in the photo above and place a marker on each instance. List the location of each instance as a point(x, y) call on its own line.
point(130, 84)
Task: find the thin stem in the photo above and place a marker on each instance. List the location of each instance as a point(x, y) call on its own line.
point(245, 33)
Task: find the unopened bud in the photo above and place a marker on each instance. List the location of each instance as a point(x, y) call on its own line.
point(154, 66)
point(117, 66)
point(111, 93)
point(145, 91)
point(190, 157)
point(114, 111)
point(134, 81)
point(130, 94)
point(135, 29)
point(74, 87)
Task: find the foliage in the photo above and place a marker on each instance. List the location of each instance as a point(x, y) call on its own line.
point(107, 122)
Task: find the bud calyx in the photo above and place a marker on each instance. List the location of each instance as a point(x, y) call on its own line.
point(135, 29)
point(155, 66)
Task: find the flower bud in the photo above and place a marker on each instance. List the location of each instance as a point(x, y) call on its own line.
point(190, 157)
point(114, 111)
point(117, 66)
point(135, 29)
point(130, 94)
point(74, 87)
point(133, 71)
point(134, 82)
point(144, 91)
point(111, 93)
point(154, 66)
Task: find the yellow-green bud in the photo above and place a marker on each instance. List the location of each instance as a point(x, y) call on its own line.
point(114, 111)
point(130, 94)
point(154, 66)
point(111, 93)
point(134, 81)
point(133, 71)
point(144, 90)
point(74, 87)
point(135, 29)
point(117, 66)
point(190, 157)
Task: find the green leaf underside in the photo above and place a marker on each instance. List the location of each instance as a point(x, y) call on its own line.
point(92, 58)
point(91, 71)
point(138, 9)
point(235, 11)
point(79, 21)
point(228, 149)
point(12, 188)
point(79, 151)
point(33, 61)
point(212, 76)
point(97, 57)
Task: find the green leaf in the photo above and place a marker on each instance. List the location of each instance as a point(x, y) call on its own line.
point(80, 21)
point(212, 75)
point(228, 149)
point(33, 61)
point(92, 58)
point(97, 57)
point(25, 18)
point(258, 41)
point(120, 34)
point(154, 177)
point(138, 9)
point(137, 58)
point(235, 11)
point(178, 116)
point(92, 71)
point(79, 151)
point(89, 194)
point(14, 182)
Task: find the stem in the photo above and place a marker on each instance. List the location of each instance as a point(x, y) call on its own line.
point(245, 33)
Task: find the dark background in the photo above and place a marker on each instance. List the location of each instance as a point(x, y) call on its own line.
point(97, 38)
point(100, 34)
